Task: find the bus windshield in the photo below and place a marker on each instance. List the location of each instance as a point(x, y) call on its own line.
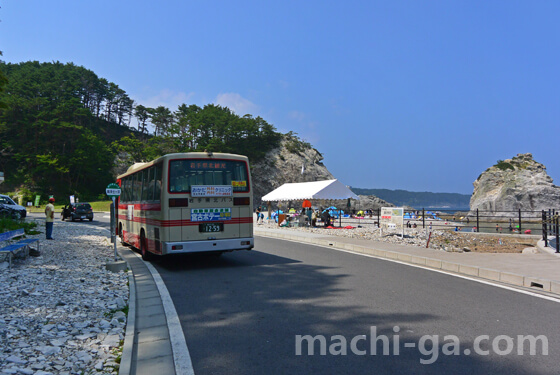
point(183, 174)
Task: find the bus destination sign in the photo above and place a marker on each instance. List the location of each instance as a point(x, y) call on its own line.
point(210, 214)
point(212, 191)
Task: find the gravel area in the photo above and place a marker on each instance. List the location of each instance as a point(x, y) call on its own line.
point(62, 312)
point(441, 239)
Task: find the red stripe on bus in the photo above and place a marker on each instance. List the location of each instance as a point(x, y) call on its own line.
point(179, 223)
point(141, 206)
point(185, 223)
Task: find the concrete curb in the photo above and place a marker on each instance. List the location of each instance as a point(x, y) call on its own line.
point(130, 333)
point(546, 250)
point(438, 264)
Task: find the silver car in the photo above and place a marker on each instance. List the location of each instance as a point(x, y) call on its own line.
point(15, 210)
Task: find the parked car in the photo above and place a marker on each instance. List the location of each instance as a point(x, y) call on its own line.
point(9, 207)
point(77, 211)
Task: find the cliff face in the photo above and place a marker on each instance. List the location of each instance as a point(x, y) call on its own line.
point(513, 184)
point(283, 165)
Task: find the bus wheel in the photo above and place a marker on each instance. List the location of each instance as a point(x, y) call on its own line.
point(146, 255)
point(121, 235)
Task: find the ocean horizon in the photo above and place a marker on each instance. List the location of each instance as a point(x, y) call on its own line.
point(445, 209)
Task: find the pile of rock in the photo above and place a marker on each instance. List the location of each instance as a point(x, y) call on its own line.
point(63, 312)
point(444, 240)
point(412, 236)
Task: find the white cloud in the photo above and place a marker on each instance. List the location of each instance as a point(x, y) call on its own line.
point(167, 98)
point(237, 103)
point(297, 115)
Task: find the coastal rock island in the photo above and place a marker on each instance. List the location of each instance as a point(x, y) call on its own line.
point(513, 184)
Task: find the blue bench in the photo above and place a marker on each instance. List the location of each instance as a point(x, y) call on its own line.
point(14, 248)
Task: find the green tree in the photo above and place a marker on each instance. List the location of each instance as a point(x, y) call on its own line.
point(162, 118)
point(142, 115)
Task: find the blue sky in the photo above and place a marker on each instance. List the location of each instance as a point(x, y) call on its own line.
point(414, 95)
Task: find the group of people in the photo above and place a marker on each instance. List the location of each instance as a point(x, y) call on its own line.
point(309, 215)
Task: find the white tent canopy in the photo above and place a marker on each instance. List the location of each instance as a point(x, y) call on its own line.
point(328, 189)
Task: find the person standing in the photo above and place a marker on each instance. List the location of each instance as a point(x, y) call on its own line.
point(49, 213)
point(258, 213)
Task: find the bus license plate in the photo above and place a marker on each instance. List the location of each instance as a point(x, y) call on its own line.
point(210, 227)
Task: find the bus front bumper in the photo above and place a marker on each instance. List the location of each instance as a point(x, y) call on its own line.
point(207, 246)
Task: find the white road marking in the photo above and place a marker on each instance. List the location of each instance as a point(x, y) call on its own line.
point(487, 282)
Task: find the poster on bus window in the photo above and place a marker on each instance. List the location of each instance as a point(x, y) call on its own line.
point(211, 191)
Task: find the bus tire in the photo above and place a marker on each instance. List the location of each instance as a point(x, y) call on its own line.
point(146, 255)
point(121, 235)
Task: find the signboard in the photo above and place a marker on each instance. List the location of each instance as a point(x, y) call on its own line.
point(113, 190)
point(210, 214)
point(37, 200)
point(212, 191)
point(239, 183)
point(392, 218)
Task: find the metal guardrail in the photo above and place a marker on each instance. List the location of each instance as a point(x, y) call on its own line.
point(499, 222)
point(550, 227)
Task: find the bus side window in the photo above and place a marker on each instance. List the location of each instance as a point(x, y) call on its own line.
point(157, 182)
point(147, 190)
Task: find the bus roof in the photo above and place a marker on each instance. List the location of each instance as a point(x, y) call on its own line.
point(182, 155)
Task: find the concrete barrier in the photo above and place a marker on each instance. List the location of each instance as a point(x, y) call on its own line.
point(434, 263)
point(534, 282)
point(418, 260)
point(489, 274)
point(555, 287)
point(512, 278)
point(448, 266)
point(468, 270)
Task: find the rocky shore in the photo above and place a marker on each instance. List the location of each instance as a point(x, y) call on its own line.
point(62, 312)
point(440, 239)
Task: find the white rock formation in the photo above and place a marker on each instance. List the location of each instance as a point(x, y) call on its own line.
point(513, 184)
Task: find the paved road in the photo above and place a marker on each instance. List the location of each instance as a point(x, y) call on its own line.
point(241, 314)
point(100, 219)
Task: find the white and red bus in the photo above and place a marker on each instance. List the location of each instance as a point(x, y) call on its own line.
point(186, 203)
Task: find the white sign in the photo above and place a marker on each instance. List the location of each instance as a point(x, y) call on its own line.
point(392, 218)
point(212, 191)
point(113, 190)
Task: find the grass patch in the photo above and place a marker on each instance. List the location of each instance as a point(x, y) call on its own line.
point(502, 165)
point(97, 206)
point(7, 224)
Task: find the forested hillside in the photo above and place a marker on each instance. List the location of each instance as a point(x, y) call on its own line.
point(418, 199)
point(62, 126)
